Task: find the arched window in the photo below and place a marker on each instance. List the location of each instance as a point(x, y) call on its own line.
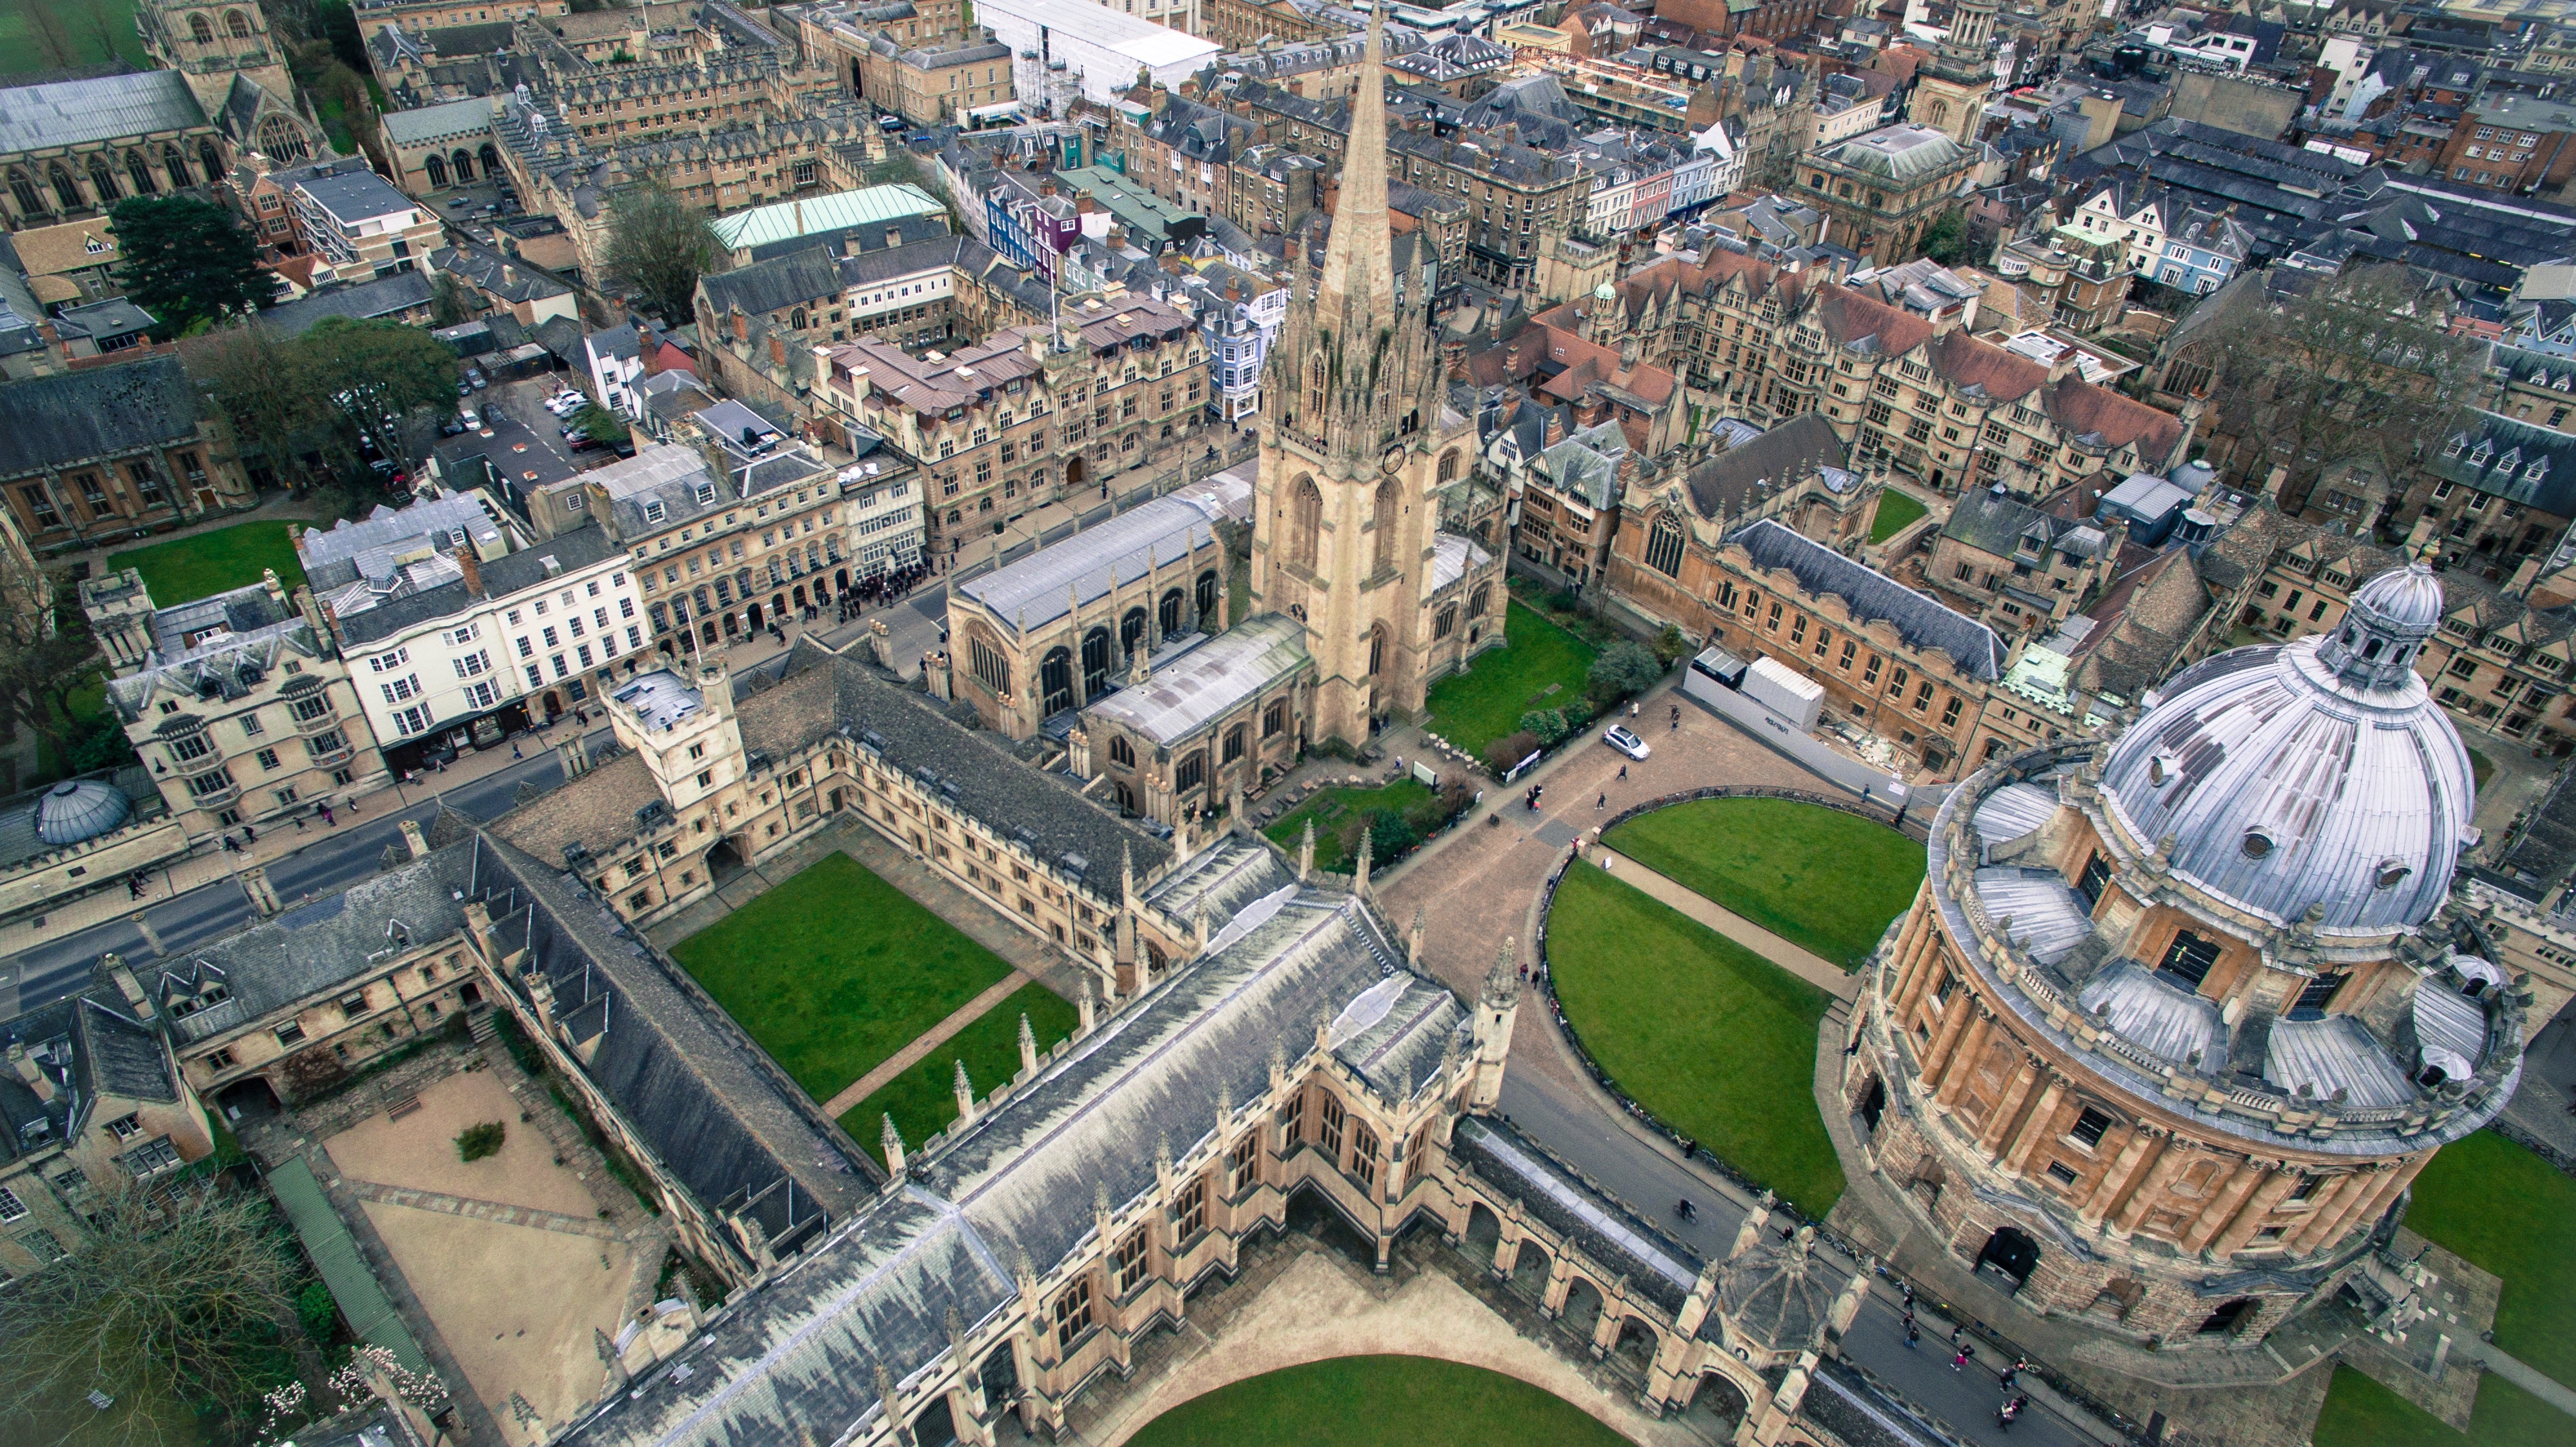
point(102, 180)
point(177, 166)
point(1121, 752)
point(1377, 650)
point(1315, 390)
point(23, 191)
point(66, 189)
point(1167, 615)
point(1055, 682)
point(281, 140)
point(1664, 547)
point(1095, 662)
point(436, 170)
point(796, 319)
point(1389, 502)
point(990, 663)
point(1478, 600)
point(1305, 523)
point(236, 25)
point(212, 160)
point(1207, 600)
point(139, 171)
point(1191, 774)
point(462, 164)
point(1131, 631)
point(1449, 465)
point(490, 156)
point(199, 31)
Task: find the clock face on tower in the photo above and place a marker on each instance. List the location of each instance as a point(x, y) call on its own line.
point(1393, 459)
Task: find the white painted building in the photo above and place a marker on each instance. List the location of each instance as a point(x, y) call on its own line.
point(458, 630)
point(1098, 49)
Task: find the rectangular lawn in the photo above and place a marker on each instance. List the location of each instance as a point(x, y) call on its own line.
point(1484, 703)
point(1717, 1041)
point(924, 1098)
point(1896, 512)
point(1822, 879)
point(2506, 1210)
point(835, 970)
point(1330, 856)
point(2359, 1412)
point(183, 570)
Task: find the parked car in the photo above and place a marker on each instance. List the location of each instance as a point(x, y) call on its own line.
point(475, 376)
point(1625, 742)
point(469, 417)
point(462, 389)
point(585, 444)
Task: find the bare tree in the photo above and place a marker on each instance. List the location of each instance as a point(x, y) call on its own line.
point(45, 650)
point(177, 1305)
point(2357, 370)
point(659, 245)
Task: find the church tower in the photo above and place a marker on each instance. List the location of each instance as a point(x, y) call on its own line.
point(210, 42)
point(1950, 93)
point(1355, 445)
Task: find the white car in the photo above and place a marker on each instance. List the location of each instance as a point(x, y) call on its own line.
point(564, 404)
point(1625, 742)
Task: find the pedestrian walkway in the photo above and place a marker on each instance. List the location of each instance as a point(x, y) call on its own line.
point(1810, 967)
point(2522, 1374)
point(420, 1199)
point(922, 1044)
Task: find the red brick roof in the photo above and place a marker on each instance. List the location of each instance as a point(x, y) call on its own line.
point(2080, 407)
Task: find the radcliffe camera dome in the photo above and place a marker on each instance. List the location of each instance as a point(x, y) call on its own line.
point(2316, 775)
point(72, 812)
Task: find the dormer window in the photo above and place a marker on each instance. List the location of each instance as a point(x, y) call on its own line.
point(706, 494)
point(653, 512)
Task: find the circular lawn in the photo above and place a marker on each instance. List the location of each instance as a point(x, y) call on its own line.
point(1826, 881)
point(1367, 1401)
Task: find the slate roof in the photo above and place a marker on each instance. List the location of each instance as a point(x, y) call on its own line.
point(766, 286)
point(74, 112)
point(95, 412)
point(1042, 587)
point(503, 577)
point(1721, 486)
point(86, 1045)
point(384, 297)
point(2519, 461)
point(1657, 1267)
point(456, 118)
point(1019, 1181)
point(1871, 595)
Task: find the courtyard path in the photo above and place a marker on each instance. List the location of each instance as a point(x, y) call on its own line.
point(922, 1044)
point(1805, 964)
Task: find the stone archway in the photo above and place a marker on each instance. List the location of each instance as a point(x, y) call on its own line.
point(1717, 1400)
point(1581, 1315)
point(1484, 1233)
point(2012, 1252)
point(1637, 1344)
point(1530, 1268)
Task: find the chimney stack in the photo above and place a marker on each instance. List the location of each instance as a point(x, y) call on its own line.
point(472, 563)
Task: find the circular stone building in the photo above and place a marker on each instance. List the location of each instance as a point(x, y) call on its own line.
point(2177, 1016)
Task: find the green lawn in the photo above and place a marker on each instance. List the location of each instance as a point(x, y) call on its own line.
point(1332, 808)
point(2505, 1210)
point(1474, 708)
point(1814, 876)
point(924, 1098)
point(1896, 512)
point(1377, 1402)
point(54, 34)
point(835, 970)
point(1717, 1041)
point(2360, 1412)
point(183, 570)
point(2480, 767)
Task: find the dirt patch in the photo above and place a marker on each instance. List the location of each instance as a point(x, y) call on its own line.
point(516, 1305)
point(419, 1150)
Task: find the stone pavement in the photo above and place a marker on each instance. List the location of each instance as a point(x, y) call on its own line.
point(922, 1044)
point(1806, 965)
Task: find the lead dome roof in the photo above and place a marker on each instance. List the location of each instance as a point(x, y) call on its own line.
point(2291, 777)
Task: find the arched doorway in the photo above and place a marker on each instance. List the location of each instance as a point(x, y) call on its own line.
point(1530, 1267)
point(250, 1099)
point(1636, 1345)
point(1582, 1314)
point(2011, 1252)
point(1718, 1401)
point(1484, 1233)
point(2231, 1317)
point(754, 615)
point(1873, 1104)
point(1073, 471)
point(551, 703)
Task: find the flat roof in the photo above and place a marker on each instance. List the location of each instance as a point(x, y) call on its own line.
point(660, 698)
point(1129, 35)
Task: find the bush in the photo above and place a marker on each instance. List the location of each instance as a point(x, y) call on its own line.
point(477, 1141)
point(1548, 724)
point(1510, 749)
point(1388, 835)
point(1623, 670)
point(319, 1313)
point(1671, 646)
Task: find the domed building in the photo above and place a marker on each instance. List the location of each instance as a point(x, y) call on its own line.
point(2176, 1017)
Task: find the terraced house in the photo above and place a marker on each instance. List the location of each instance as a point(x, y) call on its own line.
point(980, 419)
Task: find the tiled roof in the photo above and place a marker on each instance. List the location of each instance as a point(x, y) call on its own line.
point(1872, 595)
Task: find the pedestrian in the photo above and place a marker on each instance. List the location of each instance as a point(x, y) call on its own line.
point(326, 813)
point(514, 750)
point(229, 846)
point(1959, 1362)
point(249, 835)
point(1601, 803)
point(1912, 1334)
point(1623, 772)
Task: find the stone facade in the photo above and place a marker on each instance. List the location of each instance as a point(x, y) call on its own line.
point(107, 452)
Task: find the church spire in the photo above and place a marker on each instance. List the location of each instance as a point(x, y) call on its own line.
point(1359, 273)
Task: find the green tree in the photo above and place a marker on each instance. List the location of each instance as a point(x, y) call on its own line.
point(258, 380)
point(449, 301)
point(176, 1308)
point(1623, 670)
point(187, 261)
point(1947, 241)
point(373, 374)
point(659, 245)
point(601, 425)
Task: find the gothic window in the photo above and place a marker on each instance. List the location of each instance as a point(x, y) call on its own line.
point(1388, 500)
point(1168, 613)
point(281, 141)
point(1274, 719)
point(24, 191)
point(65, 188)
point(212, 160)
point(236, 26)
point(140, 170)
point(462, 164)
point(1235, 738)
point(1095, 661)
point(1191, 774)
point(1055, 682)
point(1479, 600)
point(200, 31)
point(1122, 753)
point(1447, 623)
point(1306, 524)
point(1315, 391)
point(102, 180)
point(177, 166)
point(990, 664)
point(1664, 547)
point(796, 319)
point(1377, 650)
point(1449, 465)
point(1131, 631)
point(437, 170)
point(1207, 599)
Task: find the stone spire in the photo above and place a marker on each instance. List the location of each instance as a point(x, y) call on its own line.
point(1028, 1045)
point(1359, 272)
point(892, 1141)
point(1503, 981)
point(965, 1092)
point(1368, 846)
